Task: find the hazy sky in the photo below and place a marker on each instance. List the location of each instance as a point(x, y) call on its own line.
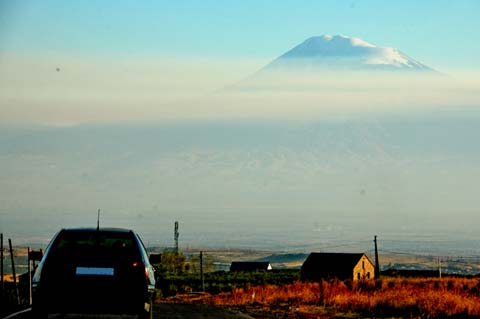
point(108, 78)
point(69, 62)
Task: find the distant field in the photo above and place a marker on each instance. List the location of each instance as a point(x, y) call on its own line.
point(220, 259)
point(453, 264)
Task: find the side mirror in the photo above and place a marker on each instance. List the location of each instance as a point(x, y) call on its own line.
point(35, 255)
point(155, 258)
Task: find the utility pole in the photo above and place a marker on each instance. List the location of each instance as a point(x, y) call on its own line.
point(201, 271)
point(2, 286)
point(17, 297)
point(377, 262)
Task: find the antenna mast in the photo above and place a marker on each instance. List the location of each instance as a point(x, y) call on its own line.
point(98, 219)
point(176, 235)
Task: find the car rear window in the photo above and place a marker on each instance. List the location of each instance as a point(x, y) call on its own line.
point(95, 247)
point(75, 239)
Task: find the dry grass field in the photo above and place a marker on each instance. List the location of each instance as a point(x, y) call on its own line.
point(387, 298)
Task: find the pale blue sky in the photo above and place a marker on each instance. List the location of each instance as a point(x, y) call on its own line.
point(442, 34)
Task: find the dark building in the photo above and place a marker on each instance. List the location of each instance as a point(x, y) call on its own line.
point(250, 266)
point(337, 265)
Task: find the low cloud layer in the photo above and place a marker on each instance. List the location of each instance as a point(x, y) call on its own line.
point(67, 91)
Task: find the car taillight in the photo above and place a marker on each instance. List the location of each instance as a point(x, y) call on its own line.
point(141, 264)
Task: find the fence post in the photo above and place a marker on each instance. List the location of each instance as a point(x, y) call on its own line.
point(321, 297)
point(17, 296)
point(29, 278)
point(201, 271)
point(2, 286)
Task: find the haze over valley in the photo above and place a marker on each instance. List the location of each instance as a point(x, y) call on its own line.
point(248, 184)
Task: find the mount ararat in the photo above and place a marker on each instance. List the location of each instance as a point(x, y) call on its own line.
point(320, 61)
point(340, 52)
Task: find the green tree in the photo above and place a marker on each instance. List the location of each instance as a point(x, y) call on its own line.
point(171, 262)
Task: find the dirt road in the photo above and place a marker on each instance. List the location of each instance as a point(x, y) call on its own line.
point(169, 311)
point(194, 311)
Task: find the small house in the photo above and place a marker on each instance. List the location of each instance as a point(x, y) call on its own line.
point(250, 266)
point(337, 265)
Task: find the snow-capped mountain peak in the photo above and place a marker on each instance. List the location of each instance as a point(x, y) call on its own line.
point(325, 57)
point(346, 53)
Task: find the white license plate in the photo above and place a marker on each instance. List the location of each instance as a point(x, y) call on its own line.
point(94, 271)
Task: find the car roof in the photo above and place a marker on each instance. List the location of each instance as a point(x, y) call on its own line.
point(102, 229)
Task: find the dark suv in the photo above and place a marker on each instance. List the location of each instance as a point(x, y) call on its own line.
point(94, 271)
